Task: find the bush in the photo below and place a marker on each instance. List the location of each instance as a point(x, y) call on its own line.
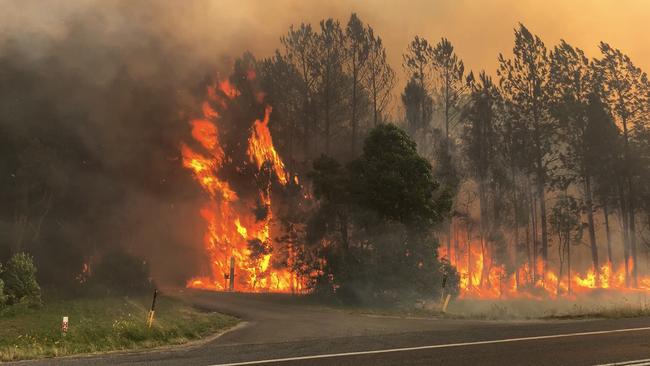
point(450, 277)
point(121, 273)
point(3, 297)
point(20, 280)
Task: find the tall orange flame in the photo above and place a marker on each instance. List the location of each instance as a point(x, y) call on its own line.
point(233, 229)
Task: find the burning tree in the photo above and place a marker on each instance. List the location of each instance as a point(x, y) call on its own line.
point(236, 164)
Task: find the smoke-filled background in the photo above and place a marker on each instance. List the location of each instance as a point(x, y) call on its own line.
point(95, 98)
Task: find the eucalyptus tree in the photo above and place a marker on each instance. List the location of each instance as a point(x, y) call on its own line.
point(480, 145)
point(418, 107)
point(565, 223)
point(419, 68)
point(571, 86)
point(358, 47)
point(626, 92)
point(300, 50)
point(451, 85)
point(524, 83)
point(332, 79)
point(603, 155)
point(380, 78)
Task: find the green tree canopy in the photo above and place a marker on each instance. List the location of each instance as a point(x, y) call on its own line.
point(391, 179)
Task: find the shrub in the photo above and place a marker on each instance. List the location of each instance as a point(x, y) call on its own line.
point(3, 297)
point(20, 280)
point(450, 277)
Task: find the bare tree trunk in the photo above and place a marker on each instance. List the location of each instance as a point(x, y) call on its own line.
point(592, 231)
point(375, 108)
point(568, 252)
point(626, 248)
point(609, 235)
point(449, 240)
point(327, 112)
point(542, 215)
point(456, 246)
point(482, 225)
point(353, 148)
point(469, 255)
point(560, 250)
point(516, 220)
point(533, 220)
point(529, 254)
point(632, 227)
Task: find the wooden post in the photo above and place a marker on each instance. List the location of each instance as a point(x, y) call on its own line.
point(153, 309)
point(232, 274)
point(64, 326)
point(446, 303)
point(444, 285)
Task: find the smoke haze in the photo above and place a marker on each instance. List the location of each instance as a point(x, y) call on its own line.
point(112, 84)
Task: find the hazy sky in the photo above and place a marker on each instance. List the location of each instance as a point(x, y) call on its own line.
point(479, 29)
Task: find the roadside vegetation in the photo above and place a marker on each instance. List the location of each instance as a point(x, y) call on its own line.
point(100, 325)
point(107, 312)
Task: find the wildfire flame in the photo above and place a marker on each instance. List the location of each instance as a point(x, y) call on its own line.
point(234, 230)
point(480, 277)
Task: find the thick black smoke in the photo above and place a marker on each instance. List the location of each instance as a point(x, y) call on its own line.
point(94, 101)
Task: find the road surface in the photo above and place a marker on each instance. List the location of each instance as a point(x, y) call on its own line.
point(278, 330)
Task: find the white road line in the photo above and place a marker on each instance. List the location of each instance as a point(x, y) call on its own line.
point(332, 355)
point(629, 363)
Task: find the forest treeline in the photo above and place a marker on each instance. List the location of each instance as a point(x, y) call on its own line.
point(549, 152)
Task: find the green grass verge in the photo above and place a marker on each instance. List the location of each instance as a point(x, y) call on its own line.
point(100, 325)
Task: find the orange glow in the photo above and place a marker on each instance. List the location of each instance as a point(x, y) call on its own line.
point(228, 89)
point(233, 229)
point(485, 279)
point(261, 150)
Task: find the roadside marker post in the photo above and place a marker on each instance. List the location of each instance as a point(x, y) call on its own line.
point(232, 274)
point(64, 326)
point(443, 301)
point(153, 309)
point(446, 303)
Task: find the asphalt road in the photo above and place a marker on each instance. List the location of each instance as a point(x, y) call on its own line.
point(281, 331)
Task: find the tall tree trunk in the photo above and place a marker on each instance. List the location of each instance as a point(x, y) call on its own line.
point(456, 245)
point(529, 254)
point(469, 255)
point(353, 148)
point(308, 116)
point(568, 253)
point(327, 111)
point(516, 221)
point(447, 111)
point(449, 240)
point(542, 215)
point(375, 107)
point(592, 231)
point(533, 220)
point(482, 225)
point(560, 250)
point(609, 236)
point(632, 228)
point(307, 135)
point(630, 196)
point(626, 246)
